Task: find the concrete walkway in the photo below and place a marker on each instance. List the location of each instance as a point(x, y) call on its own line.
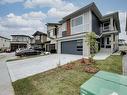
point(5, 81)
point(125, 65)
point(102, 54)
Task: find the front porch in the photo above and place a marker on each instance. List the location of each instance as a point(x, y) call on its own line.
point(110, 42)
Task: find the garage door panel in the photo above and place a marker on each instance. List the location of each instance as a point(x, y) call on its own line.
point(70, 47)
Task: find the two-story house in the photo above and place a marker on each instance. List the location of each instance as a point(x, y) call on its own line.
point(20, 41)
point(71, 36)
point(39, 40)
point(4, 43)
point(52, 35)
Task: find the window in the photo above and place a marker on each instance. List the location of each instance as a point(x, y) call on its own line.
point(113, 37)
point(37, 37)
point(106, 25)
point(63, 33)
point(108, 40)
point(79, 45)
point(48, 34)
point(77, 21)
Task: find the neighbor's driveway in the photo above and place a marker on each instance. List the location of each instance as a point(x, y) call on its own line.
point(27, 67)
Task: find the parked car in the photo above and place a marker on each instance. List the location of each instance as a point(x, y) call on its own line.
point(8, 50)
point(27, 52)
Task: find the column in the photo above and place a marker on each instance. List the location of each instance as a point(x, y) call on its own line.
point(112, 43)
point(86, 49)
point(59, 47)
point(111, 24)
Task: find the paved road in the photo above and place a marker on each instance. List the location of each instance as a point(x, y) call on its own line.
point(5, 81)
point(125, 65)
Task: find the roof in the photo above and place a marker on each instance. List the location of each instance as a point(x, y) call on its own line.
point(39, 33)
point(22, 35)
point(53, 24)
point(115, 16)
point(91, 7)
point(5, 38)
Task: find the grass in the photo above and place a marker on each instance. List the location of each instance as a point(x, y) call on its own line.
point(22, 58)
point(60, 81)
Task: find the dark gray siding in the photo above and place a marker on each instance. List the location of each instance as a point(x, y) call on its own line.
point(70, 47)
point(95, 24)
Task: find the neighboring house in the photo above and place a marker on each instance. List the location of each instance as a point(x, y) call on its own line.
point(4, 43)
point(20, 41)
point(39, 40)
point(52, 34)
point(71, 38)
point(121, 42)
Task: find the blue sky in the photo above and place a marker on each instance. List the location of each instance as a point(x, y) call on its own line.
point(27, 16)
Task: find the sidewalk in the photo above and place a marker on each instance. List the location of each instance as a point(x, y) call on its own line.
point(5, 81)
point(124, 61)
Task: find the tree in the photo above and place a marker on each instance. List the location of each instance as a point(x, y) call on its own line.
point(91, 41)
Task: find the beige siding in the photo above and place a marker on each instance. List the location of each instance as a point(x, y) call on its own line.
point(4, 43)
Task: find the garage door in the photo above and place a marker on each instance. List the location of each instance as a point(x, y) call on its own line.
point(72, 47)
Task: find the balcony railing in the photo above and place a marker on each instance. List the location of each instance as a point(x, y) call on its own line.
point(106, 28)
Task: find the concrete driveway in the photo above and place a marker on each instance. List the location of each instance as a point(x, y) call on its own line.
point(27, 67)
point(5, 81)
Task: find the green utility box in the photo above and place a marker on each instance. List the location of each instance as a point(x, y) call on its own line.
point(105, 83)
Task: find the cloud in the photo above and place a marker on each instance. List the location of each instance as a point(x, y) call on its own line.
point(62, 11)
point(27, 23)
point(43, 3)
point(10, 1)
point(58, 8)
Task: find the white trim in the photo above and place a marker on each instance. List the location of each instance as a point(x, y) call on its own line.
point(72, 36)
point(90, 20)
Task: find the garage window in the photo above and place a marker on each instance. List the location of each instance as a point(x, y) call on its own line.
point(79, 45)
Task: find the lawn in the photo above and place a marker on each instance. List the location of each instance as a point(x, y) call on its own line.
point(60, 81)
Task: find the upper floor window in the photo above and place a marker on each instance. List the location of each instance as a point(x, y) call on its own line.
point(106, 25)
point(37, 37)
point(77, 21)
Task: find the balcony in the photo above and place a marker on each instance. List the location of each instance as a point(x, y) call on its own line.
point(107, 28)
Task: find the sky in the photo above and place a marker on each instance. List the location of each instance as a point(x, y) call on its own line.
point(28, 16)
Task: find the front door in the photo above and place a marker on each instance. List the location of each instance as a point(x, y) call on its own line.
point(102, 42)
point(108, 42)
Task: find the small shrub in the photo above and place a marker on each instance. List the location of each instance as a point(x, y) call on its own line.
point(123, 53)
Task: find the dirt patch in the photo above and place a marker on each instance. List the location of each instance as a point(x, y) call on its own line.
point(90, 69)
point(87, 61)
point(69, 66)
